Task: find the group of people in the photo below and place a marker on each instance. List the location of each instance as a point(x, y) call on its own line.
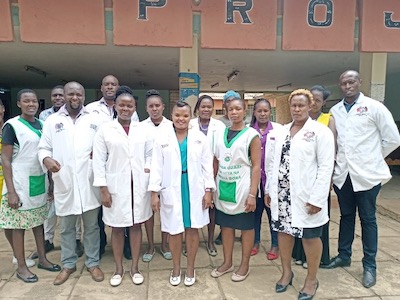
point(195, 171)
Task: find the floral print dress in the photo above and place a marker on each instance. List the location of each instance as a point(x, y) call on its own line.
point(284, 223)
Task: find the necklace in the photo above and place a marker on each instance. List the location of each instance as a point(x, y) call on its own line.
point(203, 128)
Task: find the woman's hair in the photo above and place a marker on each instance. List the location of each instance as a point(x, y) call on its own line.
point(25, 91)
point(182, 104)
point(325, 92)
point(253, 117)
point(303, 92)
point(124, 90)
point(198, 103)
point(153, 93)
point(1, 102)
point(238, 99)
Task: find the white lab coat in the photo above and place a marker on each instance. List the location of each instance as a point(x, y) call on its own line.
point(311, 164)
point(213, 127)
point(104, 111)
point(119, 159)
point(365, 136)
point(165, 177)
point(71, 145)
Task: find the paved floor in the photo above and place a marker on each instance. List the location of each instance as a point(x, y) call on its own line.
point(341, 283)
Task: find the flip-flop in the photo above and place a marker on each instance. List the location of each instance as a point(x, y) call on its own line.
point(167, 255)
point(211, 252)
point(147, 257)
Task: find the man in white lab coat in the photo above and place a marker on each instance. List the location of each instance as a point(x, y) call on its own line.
point(366, 134)
point(65, 149)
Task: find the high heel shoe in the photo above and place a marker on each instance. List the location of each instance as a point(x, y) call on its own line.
point(305, 296)
point(280, 288)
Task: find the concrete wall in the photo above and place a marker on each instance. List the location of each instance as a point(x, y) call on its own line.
point(392, 95)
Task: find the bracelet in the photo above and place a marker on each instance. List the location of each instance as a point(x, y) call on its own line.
point(252, 196)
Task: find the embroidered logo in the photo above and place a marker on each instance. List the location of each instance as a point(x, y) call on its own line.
point(362, 110)
point(228, 157)
point(59, 127)
point(197, 142)
point(164, 145)
point(309, 136)
point(93, 126)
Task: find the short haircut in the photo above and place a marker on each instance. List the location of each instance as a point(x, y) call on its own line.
point(153, 93)
point(123, 90)
point(303, 92)
point(25, 91)
point(182, 104)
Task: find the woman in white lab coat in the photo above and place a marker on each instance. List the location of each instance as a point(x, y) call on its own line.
point(209, 126)
point(298, 183)
point(155, 122)
point(121, 165)
point(182, 172)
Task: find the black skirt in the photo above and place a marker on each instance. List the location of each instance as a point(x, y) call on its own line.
point(244, 221)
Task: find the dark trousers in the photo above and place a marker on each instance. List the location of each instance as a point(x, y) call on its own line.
point(103, 236)
point(365, 202)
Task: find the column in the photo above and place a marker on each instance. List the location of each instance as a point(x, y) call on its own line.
point(373, 74)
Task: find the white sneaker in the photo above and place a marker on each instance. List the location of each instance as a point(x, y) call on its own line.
point(29, 262)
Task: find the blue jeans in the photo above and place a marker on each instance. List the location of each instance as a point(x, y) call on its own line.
point(260, 206)
point(365, 201)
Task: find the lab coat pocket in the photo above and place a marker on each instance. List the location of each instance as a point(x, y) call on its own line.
point(62, 181)
point(167, 196)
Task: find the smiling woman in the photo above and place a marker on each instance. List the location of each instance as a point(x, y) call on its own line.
point(298, 185)
point(24, 205)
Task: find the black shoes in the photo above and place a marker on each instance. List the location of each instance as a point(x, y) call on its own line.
point(305, 296)
point(369, 278)
point(280, 288)
point(52, 268)
point(337, 262)
point(79, 248)
point(47, 248)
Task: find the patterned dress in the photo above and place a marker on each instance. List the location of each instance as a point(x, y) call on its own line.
point(284, 223)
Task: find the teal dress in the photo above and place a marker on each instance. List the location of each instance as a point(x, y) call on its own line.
point(185, 185)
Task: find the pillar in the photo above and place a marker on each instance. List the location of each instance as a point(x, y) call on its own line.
point(373, 74)
point(189, 81)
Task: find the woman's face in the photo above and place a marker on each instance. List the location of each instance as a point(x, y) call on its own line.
point(125, 107)
point(318, 103)
point(236, 112)
point(262, 112)
point(28, 104)
point(155, 107)
point(206, 109)
point(181, 117)
point(299, 108)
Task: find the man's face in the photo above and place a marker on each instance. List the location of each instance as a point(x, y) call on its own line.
point(350, 83)
point(74, 95)
point(57, 97)
point(109, 87)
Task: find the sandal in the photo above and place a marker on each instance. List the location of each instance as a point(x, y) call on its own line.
point(147, 257)
point(211, 252)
